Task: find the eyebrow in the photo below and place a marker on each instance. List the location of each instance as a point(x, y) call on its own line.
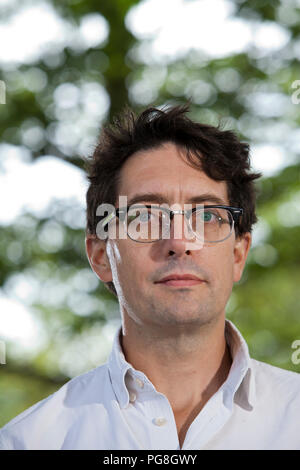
point(160, 199)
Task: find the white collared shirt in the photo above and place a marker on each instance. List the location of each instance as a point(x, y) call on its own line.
point(115, 406)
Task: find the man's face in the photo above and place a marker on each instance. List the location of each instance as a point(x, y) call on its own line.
point(135, 267)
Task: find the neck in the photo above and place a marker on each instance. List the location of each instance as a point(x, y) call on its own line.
point(187, 363)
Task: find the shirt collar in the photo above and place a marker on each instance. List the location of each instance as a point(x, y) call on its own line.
point(239, 385)
point(118, 367)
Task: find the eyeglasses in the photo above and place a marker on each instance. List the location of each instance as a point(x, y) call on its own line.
point(147, 224)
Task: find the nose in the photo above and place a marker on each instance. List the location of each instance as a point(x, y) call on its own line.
point(180, 237)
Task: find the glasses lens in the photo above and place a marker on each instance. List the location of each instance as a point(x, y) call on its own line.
point(212, 225)
point(146, 224)
point(152, 224)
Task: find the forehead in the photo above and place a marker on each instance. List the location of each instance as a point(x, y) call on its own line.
point(165, 170)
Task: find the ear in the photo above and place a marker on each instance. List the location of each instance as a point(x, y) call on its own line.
point(97, 256)
point(241, 249)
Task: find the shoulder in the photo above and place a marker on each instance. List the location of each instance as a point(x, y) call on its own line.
point(271, 380)
point(57, 409)
point(274, 373)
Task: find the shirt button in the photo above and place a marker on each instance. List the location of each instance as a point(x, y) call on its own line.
point(132, 397)
point(139, 382)
point(160, 421)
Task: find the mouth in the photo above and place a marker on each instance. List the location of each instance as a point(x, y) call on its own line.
point(181, 282)
point(177, 280)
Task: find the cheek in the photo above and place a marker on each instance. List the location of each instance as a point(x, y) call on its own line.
point(127, 265)
point(221, 266)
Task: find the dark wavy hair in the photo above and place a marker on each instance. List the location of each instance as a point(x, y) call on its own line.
point(219, 153)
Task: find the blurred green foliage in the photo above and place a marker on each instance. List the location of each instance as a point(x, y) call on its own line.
point(265, 303)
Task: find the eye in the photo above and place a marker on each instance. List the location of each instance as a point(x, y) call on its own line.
point(145, 216)
point(208, 216)
point(142, 216)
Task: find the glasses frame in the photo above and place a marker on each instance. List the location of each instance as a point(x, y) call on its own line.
point(236, 213)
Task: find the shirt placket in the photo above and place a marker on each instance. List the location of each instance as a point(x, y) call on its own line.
point(155, 415)
point(207, 423)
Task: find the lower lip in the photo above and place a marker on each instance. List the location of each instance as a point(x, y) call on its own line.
point(181, 282)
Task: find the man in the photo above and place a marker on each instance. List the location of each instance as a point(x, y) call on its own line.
point(179, 375)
